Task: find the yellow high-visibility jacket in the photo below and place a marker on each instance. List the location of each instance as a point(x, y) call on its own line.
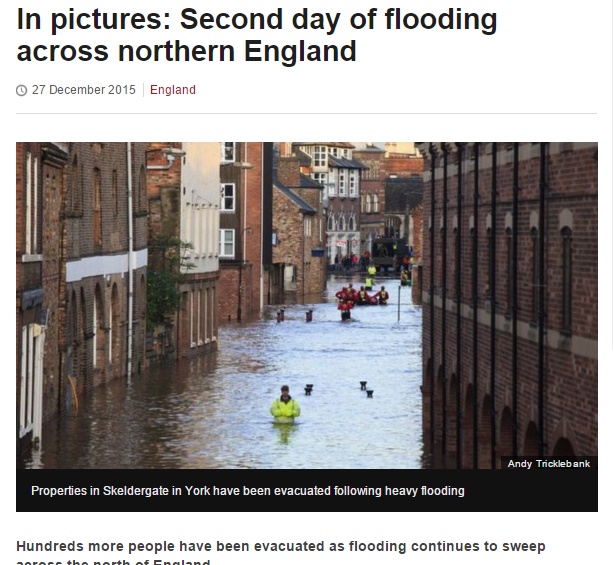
point(285, 411)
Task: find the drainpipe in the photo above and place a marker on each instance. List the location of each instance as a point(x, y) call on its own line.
point(541, 294)
point(493, 309)
point(475, 301)
point(514, 359)
point(444, 298)
point(130, 258)
point(432, 325)
point(458, 285)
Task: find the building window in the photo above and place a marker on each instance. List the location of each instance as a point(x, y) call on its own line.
point(142, 190)
point(331, 222)
point(32, 206)
point(368, 204)
point(115, 190)
point(75, 187)
point(351, 222)
point(510, 269)
point(341, 183)
point(566, 279)
point(226, 244)
point(473, 289)
point(375, 203)
point(97, 212)
point(341, 222)
point(228, 194)
point(534, 234)
point(321, 178)
point(491, 265)
point(353, 183)
point(307, 226)
point(228, 152)
point(457, 275)
point(320, 158)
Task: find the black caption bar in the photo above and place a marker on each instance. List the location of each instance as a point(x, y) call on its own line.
point(551, 490)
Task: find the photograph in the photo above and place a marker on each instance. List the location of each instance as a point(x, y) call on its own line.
point(306, 305)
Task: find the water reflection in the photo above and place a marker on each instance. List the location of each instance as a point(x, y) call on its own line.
point(213, 412)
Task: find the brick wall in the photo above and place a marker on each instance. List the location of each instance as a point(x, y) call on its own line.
point(570, 359)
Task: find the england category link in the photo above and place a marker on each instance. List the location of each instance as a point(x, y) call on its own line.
point(83, 89)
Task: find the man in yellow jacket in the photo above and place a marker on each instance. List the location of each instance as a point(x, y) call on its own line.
point(285, 408)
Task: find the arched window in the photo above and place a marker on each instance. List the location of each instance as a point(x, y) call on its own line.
point(331, 222)
point(510, 269)
point(567, 281)
point(115, 192)
point(75, 187)
point(341, 222)
point(97, 208)
point(375, 203)
point(534, 234)
point(351, 222)
point(368, 204)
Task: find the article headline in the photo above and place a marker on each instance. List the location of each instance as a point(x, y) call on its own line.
point(252, 49)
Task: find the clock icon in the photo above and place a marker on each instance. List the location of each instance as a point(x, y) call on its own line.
point(22, 90)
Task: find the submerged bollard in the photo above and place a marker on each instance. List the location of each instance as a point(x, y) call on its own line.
point(369, 393)
point(279, 316)
point(282, 314)
point(309, 316)
point(363, 385)
point(307, 390)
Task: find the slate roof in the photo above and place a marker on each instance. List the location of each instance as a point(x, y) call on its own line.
point(343, 163)
point(303, 205)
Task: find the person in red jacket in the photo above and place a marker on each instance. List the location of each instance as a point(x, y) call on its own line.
point(363, 297)
point(352, 294)
point(345, 307)
point(342, 294)
point(382, 296)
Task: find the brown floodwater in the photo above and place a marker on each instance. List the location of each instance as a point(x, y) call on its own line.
point(213, 412)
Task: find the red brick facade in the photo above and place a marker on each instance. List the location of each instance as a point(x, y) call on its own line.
point(72, 272)
point(510, 363)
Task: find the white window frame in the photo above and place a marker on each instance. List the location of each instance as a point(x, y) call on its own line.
point(223, 197)
point(225, 240)
point(320, 156)
point(225, 146)
point(307, 226)
point(330, 225)
point(375, 203)
point(341, 183)
point(321, 178)
point(353, 184)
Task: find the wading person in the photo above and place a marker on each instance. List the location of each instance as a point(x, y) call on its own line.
point(285, 408)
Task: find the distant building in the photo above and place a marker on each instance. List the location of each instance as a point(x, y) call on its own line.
point(510, 294)
point(184, 206)
point(299, 262)
point(334, 167)
point(245, 229)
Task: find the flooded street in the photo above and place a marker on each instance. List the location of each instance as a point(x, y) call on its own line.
point(213, 412)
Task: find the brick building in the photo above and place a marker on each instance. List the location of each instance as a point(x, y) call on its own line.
point(245, 229)
point(81, 272)
point(510, 293)
point(334, 167)
point(183, 185)
point(40, 283)
point(299, 236)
